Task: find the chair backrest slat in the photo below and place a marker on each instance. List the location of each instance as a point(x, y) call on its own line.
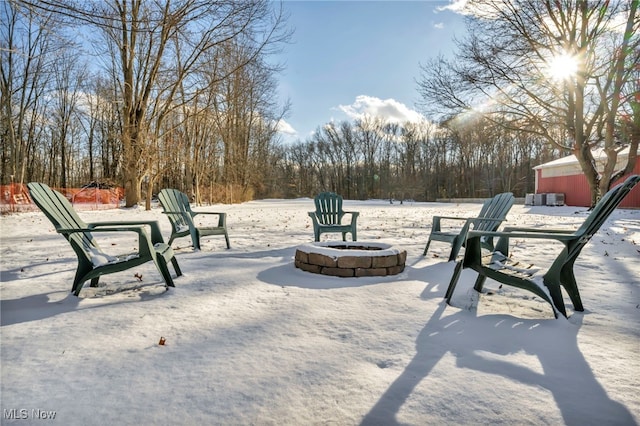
point(495, 208)
point(329, 208)
point(173, 200)
point(63, 216)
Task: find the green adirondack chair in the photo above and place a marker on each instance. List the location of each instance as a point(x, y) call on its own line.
point(177, 208)
point(499, 266)
point(94, 262)
point(493, 213)
point(328, 217)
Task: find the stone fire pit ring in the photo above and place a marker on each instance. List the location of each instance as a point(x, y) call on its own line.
point(350, 258)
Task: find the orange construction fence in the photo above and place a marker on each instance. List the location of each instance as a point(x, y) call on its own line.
point(16, 196)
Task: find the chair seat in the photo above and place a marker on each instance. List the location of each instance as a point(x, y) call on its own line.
point(335, 228)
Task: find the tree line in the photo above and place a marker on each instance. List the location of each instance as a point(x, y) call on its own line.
point(183, 94)
point(371, 158)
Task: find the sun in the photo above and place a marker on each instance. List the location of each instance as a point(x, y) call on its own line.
point(562, 67)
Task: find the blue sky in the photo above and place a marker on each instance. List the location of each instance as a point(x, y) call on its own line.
point(347, 58)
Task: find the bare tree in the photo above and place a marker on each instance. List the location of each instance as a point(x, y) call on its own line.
point(25, 49)
point(148, 37)
point(541, 66)
point(370, 134)
point(245, 111)
point(67, 79)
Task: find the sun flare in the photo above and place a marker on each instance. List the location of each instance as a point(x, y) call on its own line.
point(562, 66)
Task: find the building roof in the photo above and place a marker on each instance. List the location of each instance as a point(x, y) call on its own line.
point(598, 154)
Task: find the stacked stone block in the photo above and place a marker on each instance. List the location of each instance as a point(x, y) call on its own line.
point(351, 266)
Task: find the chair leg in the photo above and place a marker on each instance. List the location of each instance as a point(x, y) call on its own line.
point(76, 290)
point(453, 282)
point(426, 247)
point(161, 264)
point(479, 284)
point(571, 287)
point(77, 286)
point(195, 238)
point(456, 245)
point(78, 281)
point(164, 255)
point(556, 296)
point(226, 238)
point(176, 267)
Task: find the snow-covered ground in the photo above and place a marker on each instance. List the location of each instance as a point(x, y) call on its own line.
point(250, 339)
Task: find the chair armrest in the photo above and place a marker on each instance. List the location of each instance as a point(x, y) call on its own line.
point(486, 219)
point(559, 236)
point(354, 216)
point(436, 226)
point(145, 243)
point(68, 231)
point(196, 213)
point(451, 218)
point(222, 217)
point(122, 222)
point(467, 219)
point(156, 235)
point(539, 230)
point(503, 237)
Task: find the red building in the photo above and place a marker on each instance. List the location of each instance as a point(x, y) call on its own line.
point(564, 176)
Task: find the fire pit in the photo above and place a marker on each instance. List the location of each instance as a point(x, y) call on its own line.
point(350, 259)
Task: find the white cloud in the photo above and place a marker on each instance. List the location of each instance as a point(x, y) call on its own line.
point(286, 128)
point(455, 6)
point(439, 26)
point(387, 109)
